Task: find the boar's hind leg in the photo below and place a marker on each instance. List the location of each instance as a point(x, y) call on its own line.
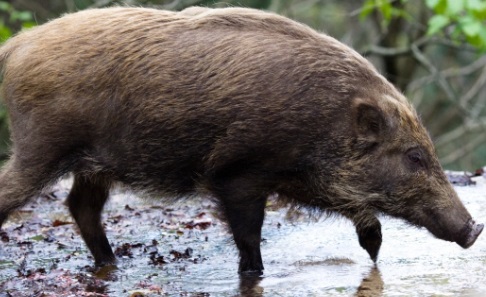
point(86, 200)
point(244, 208)
point(20, 183)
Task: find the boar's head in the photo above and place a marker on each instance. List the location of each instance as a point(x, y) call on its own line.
point(394, 170)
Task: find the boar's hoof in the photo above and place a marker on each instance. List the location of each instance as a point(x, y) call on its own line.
point(370, 239)
point(250, 269)
point(246, 270)
point(107, 272)
point(470, 234)
point(106, 263)
point(251, 273)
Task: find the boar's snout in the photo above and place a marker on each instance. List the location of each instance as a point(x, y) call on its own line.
point(469, 234)
point(455, 224)
point(447, 218)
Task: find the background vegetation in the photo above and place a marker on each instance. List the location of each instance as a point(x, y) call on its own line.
point(433, 50)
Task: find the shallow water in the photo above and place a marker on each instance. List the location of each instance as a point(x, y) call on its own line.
point(301, 259)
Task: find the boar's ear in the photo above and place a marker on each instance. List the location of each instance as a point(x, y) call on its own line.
point(369, 120)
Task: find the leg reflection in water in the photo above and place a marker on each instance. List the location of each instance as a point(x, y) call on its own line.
point(371, 285)
point(249, 286)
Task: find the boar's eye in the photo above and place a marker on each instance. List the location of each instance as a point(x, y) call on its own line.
point(415, 159)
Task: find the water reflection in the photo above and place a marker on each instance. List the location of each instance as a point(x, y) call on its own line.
point(249, 286)
point(107, 272)
point(371, 285)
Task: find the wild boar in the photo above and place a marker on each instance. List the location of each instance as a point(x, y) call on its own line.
point(236, 104)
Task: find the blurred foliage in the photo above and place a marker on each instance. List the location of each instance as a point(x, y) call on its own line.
point(466, 17)
point(11, 20)
point(385, 8)
point(432, 50)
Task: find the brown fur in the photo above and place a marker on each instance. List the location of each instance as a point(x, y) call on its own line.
point(235, 103)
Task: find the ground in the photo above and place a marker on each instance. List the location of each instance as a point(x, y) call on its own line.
point(184, 250)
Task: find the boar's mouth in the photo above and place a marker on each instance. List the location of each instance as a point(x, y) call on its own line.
point(469, 234)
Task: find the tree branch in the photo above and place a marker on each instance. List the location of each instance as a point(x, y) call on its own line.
point(473, 91)
point(448, 73)
point(461, 151)
point(424, 40)
point(384, 51)
point(460, 131)
point(443, 83)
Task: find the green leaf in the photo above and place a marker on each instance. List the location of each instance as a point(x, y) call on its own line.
point(470, 26)
point(386, 10)
point(436, 23)
point(474, 41)
point(25, 16)
point(400, 13)
point(479, 14)
point(27, 25)
point(432, 3)
point(482, 36)
point(20, 16)
point(5, 6)
point(439, 6)
point(473, 4)
point(455, 7)
point(5, 33)
point(367, 8)
point(477, 8)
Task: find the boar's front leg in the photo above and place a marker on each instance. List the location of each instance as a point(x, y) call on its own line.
point(246, 220)
point(370, 238)
point(244, 207)
point(368, 229)
point(86, 200)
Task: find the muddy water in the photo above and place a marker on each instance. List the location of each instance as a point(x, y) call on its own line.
point(301, 258)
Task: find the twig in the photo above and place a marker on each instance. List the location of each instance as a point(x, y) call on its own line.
point(386, 51)
point(473, 91)
point(448, 73)
point(466, 70)
point(461, 151)
point(453, 44)
point(422, 41)
point(443, 83)
point(460, 131)
point(478, 107)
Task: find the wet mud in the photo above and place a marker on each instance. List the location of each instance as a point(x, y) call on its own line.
point(184, 250)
